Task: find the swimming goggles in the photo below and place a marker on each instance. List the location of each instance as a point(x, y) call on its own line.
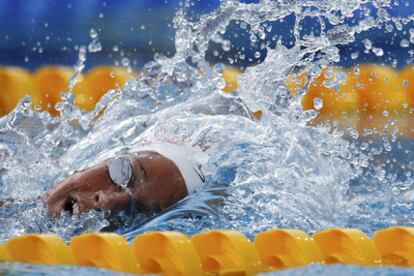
point(121, 172)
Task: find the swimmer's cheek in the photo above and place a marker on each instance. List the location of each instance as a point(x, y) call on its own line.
point(146, 199)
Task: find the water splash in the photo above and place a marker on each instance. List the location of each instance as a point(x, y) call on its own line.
point(279, 171)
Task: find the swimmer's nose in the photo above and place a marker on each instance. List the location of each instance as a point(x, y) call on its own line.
point(102, 200)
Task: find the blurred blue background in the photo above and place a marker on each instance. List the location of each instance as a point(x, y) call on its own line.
point(35, 33)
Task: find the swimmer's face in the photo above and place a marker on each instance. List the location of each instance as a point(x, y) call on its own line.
point(157, 183)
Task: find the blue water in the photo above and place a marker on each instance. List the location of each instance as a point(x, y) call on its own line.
point(7, 268)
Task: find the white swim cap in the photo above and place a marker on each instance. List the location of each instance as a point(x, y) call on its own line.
point(183, 158)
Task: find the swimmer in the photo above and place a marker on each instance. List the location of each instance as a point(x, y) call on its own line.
point(149, 180)
point(146, 181)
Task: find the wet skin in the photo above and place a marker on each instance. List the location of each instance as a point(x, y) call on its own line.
point(156, 184)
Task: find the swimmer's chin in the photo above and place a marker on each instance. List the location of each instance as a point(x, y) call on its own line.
point(68, 206)
point(115, 219)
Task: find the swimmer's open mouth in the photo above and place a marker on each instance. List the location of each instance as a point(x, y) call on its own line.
point(71, 206)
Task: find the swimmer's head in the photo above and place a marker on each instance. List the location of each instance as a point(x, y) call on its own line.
point(161, 176)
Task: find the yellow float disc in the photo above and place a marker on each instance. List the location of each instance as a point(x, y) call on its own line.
point(50, 82)
point(336, 89)
point(96, 83)
point(379, 89)
point(15, 83)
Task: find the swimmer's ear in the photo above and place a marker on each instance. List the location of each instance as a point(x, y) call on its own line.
point(258, 114)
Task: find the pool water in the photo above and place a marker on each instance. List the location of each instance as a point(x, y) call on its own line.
point(281, 171)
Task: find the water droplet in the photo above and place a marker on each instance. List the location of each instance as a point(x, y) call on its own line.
point(125, 62)
point(364, 146)
point(389, 28)
point(262, 34)
point(94, 46)
point(226, 45)
point(93, 33)
point(354, 133)
point(367, 44)
point(243, 25)
point(253, 38)
point(395, 190)
point(378, 51)
point(317, 103)
point(405, 83)
point(411, 36)
point(67, 130)
point(387, 146)
point(58, 106)
point(219, 68)
point(355, 55)
point(404, 43)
